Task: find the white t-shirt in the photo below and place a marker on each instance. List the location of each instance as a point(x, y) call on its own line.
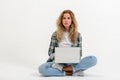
point(65, 42)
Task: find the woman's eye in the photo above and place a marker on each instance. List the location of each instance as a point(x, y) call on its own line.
point(68, 17)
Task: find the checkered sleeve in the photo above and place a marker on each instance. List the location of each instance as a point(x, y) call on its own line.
point(80, 43)
point(52, 45)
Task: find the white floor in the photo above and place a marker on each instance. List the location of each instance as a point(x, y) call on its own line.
point(107, 68)
point(12, 71)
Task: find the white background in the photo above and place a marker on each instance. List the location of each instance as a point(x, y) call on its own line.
point(27, 25)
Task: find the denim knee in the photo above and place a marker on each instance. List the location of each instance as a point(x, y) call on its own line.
point(41, 68)
point(93, 60)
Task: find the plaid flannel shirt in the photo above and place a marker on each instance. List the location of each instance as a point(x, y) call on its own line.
point(54, 43)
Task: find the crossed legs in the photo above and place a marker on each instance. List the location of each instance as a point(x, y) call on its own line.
point(46, 69)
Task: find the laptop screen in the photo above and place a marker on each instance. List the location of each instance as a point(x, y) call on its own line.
point(67, 55)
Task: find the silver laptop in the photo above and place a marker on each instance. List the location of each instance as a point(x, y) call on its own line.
point(67, 55)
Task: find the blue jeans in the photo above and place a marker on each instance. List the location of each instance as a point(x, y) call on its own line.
point(85, 63)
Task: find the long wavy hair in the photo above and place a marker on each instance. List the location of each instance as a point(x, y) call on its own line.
point(73, 33)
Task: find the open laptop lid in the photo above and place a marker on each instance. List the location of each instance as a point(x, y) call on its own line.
point(67, 55)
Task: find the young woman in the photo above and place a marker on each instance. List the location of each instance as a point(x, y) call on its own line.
point(66, 35)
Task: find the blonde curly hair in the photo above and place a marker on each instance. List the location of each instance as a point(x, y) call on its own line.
point(73, 33)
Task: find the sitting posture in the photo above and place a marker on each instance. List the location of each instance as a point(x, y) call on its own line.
point(66, 35)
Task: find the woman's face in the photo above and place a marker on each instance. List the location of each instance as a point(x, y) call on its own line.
point(66, 20)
